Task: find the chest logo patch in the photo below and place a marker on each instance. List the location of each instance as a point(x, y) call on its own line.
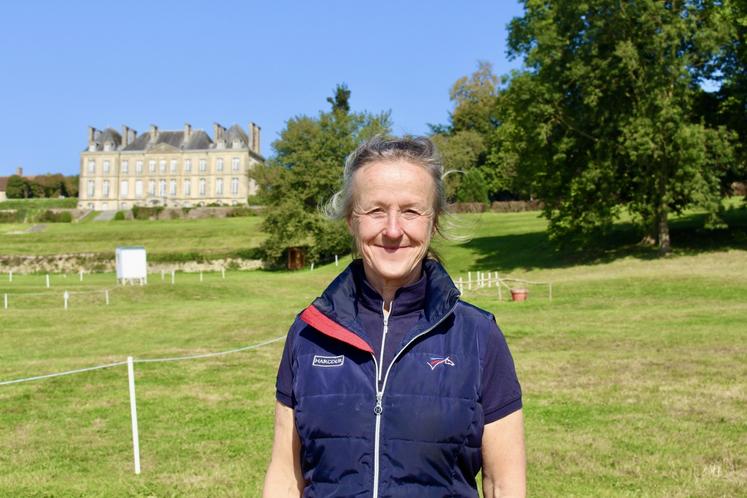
point(328, 361)
point(439, 360)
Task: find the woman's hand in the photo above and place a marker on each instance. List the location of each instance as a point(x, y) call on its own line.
point(504, 458)
point(284, 478)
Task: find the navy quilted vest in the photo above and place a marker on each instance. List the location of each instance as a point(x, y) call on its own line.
point(419, 436)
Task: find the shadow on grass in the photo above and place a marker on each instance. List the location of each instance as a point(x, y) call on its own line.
point(534, 250)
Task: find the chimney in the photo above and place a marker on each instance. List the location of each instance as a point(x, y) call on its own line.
point(187, 131)
point(153, 132)
point(133, 135)
point(125, 136)
point(91, 135)
point(19, 171)
point(217, 132)
point(255, 138)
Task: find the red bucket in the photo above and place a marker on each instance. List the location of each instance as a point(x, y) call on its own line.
point(519, 294)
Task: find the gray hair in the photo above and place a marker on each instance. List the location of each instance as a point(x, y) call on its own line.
point(416, 150)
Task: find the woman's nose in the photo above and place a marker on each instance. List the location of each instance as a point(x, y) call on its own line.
point(393, 229)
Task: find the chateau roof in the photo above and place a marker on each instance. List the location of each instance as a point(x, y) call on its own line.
point(198, 140)
point(235, 133)
point(110, 135)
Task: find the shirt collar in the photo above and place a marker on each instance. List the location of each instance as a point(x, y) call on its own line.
point(407, 299)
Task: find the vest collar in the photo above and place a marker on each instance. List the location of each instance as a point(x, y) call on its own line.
point(335, 312)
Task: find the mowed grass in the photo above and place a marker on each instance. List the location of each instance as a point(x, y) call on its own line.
point(633, 376)
point(207, 237)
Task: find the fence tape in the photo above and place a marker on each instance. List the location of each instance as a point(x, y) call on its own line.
point(144, 360)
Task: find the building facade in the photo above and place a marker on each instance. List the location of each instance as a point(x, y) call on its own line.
point(183, 168)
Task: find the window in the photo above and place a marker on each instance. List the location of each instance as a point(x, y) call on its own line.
point(235, 186)
point(124, 188)
point(173, 166)
point(162, 165)
point(187, 187)
point(162, 189)
point(151, 166)
point(125, 167)
point(235, 164)
point(139, 167)
point(172, 187)
point(91, 188)
point(202, 186)
point(105, 189)
point(92, 167)
point(151, 187)
point(106, 167)
point(219, 186)
point(138, 188)
point(219, 165)
point(203, 165)
point(187, 165)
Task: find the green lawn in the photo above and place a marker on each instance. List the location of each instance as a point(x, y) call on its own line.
point(208, 237)
point(634, 377)
point(41, 203)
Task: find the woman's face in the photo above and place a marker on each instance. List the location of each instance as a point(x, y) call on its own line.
point(392, 219)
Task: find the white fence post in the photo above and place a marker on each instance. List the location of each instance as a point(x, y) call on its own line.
point(312, 266)
point(498, 283)
point(200, 276)
point(336, 260)
point(460, 285)
point(549, 288)
point(47, 280)
point(5, 301)
point(81, 275)
point(10, 276)
point(172, 277)
point(163, 275)
point(66, 296)
point(106, 295)
point(469, 280)
point(223, 273)
point(133, 414)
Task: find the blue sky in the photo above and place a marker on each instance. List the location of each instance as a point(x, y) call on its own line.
point(67, 65)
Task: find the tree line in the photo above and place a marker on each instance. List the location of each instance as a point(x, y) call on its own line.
point(621, 107)
point(49, 186)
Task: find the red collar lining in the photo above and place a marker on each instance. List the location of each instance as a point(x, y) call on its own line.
point(326, 326)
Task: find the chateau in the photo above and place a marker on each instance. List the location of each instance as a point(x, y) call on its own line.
point(168, 168)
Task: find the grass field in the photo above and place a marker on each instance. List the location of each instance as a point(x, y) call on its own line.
point(634, 377)
point(207, 237)
point(41, 203)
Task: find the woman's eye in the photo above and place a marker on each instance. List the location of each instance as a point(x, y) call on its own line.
point(410, 214)
point(376, 213)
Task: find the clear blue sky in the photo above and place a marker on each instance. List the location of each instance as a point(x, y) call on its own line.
point(67, 65)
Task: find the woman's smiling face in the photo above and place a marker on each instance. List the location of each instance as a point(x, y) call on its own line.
point(392, 219)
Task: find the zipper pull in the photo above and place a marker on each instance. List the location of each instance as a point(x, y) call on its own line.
point(378, 408)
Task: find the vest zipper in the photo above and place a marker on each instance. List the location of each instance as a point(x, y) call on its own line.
point(383, 337)
point(378, 409)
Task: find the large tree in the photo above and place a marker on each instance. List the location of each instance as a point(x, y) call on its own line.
point(604, 113)
point(305, 171)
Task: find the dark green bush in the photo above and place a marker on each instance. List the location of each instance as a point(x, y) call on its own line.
point(146, 213)
point(49, 216)
point(119, 216)
point(241, 211)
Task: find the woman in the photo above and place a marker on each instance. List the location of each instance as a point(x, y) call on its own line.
point(390, 385)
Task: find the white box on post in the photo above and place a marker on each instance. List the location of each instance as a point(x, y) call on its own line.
point(132, 266)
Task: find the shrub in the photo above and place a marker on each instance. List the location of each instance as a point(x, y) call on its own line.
point(49, 216)
point(240, 211)
point(119, 216)
point(9, 216)
point(146, 213)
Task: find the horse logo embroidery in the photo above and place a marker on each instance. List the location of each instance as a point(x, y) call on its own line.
point(437, 360)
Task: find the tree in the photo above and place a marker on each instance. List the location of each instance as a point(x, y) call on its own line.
point(18, 188)
point(304, 173)
point(607, 106)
